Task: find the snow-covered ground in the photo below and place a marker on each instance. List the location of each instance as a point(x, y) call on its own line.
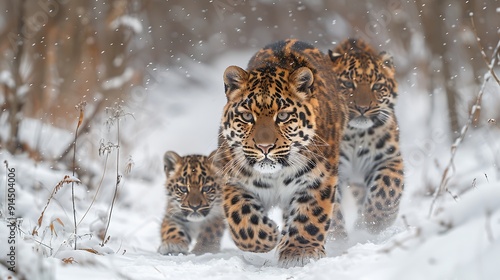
point(181, 113)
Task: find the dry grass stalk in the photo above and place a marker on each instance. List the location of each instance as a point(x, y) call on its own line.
point(69, 260)
point(81, 108)
point(53, 228)
point(103, 150)
point(66, 180)
point(116, 114)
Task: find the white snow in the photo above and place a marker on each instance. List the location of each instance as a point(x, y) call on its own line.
point(461, 241)
point(7, 79)
point(127, 21)
point(119, 81)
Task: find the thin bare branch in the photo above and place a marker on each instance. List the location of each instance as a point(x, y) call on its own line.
point(454, 147)
point(483, 54)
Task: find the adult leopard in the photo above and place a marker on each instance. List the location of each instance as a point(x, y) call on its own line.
point(371, 165)
point(279, 146)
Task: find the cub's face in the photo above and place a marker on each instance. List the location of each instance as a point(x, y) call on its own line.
point(268, 117)
point(191, 185)
point(368, 82)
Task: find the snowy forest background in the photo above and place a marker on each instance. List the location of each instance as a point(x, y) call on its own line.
point(134, 79)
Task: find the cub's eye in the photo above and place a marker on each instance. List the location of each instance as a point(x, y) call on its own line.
point(248, 117)
point(283, 116)
point(207, 189)
point(376, 86)
point(348, 84)
point(182, 189)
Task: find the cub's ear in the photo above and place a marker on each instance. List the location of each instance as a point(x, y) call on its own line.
point(302, 80)
point(234, 77)
point(387, 60)
point(334, 55)
point(169, 160)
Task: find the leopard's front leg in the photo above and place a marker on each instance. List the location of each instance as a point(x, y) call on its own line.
point(385, 188)
point(209, 238)
point(308, 221)
point(175, 238)
point(338, 231)
point(250, 228)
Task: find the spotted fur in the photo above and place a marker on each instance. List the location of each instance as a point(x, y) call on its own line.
point(370, 160)
point(279, 146)
point(193, 206)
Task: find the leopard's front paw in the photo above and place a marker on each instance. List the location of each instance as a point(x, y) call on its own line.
point(292, 253)
point(170, 248)
point(338, 234)
point(203, 248)
point(259, 236)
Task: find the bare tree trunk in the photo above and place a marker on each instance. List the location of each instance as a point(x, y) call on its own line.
point(451, 96)
point(14, 100)
point(434, 30)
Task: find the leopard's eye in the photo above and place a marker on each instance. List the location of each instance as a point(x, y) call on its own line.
point(348, 84)
point(248, 117)
point(182, 189)
point(207, 189)
point(283, 116)
point(376, 86)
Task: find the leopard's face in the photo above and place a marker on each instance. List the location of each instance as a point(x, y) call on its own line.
point(367, 81)
point(191, 185)
point(268, 118)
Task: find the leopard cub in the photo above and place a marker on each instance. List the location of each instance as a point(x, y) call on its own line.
point(193, 206)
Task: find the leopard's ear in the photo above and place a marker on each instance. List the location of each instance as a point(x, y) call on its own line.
point(387, 60)
point(212, 156)
point(170, 159)
point(334, 55)
point(301, 80)
point(212, 159)
point(234, 78)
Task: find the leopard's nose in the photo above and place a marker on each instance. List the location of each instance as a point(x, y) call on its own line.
point(362, 109)
point(265, 148)
point(195, 207)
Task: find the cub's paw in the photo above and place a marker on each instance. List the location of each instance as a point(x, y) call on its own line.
point(293, 254)
point(173, 249)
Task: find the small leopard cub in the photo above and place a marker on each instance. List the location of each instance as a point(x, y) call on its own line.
point(193, 206)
